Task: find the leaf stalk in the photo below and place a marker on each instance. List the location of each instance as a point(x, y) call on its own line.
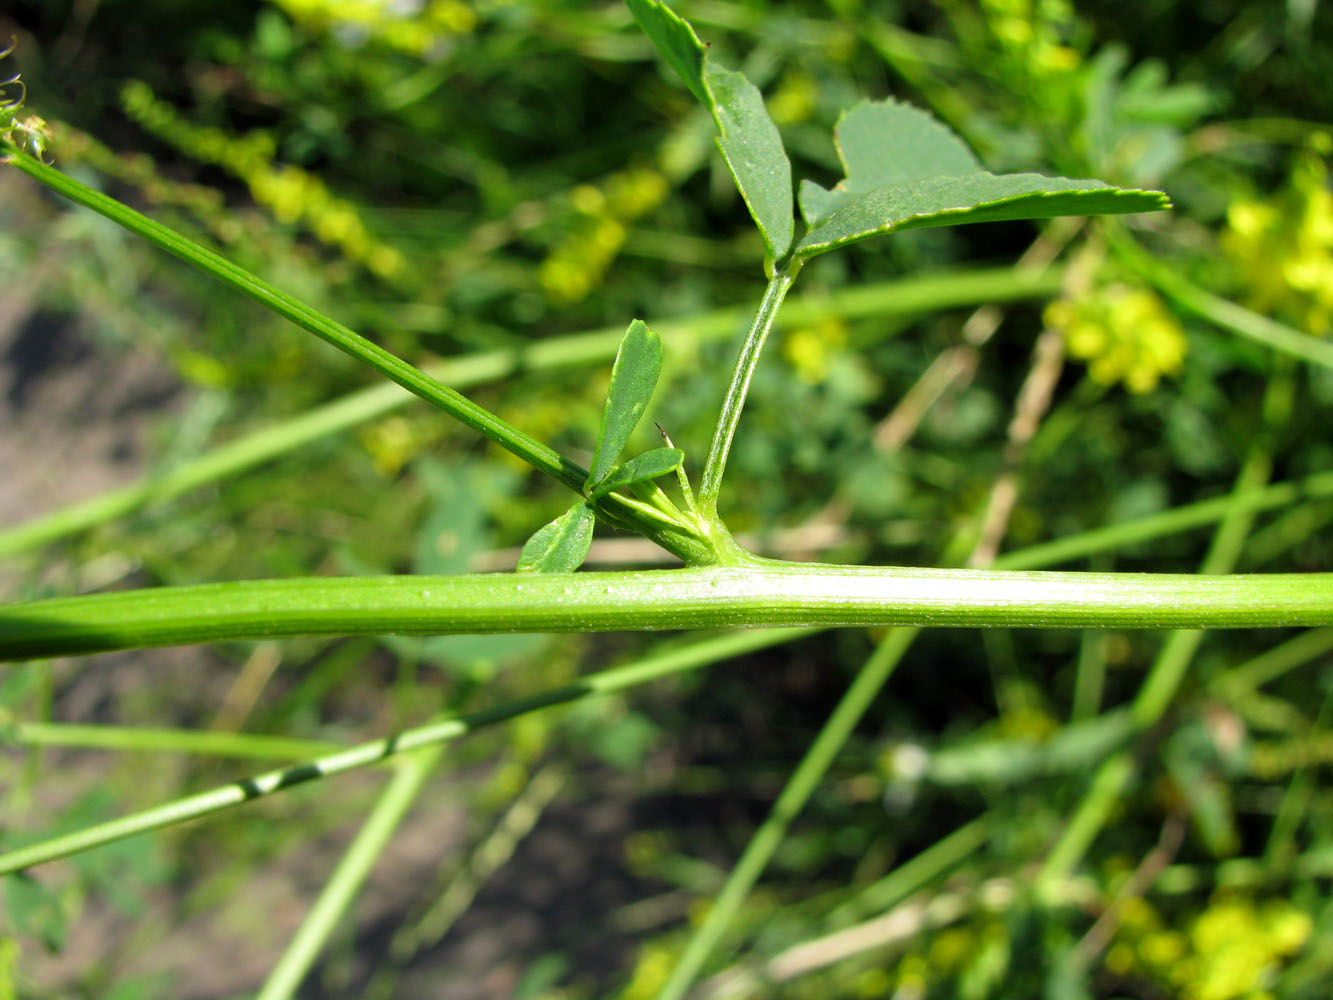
point(747, 360)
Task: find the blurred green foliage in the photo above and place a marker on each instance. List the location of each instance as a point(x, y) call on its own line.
point(453, 177)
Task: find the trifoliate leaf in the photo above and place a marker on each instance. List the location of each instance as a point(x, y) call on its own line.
point(905, 170)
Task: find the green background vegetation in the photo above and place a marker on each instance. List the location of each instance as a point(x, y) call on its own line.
point(481, 176)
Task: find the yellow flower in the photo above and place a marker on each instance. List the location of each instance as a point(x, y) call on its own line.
point(578, 261)
point(1283, 248)
point(1124, 333)
point(293, 195)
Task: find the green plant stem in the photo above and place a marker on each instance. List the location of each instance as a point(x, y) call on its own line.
point(759, 851)
point(309, 319)
point(916, 873)
point(147, 739)
point(680, 541)
point(761, 593)
point(729, 416)
point(673, 661)
point(353, 869)
point(902, 299)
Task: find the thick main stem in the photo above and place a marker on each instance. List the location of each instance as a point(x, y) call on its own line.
point(730, 415)
point(760, 593)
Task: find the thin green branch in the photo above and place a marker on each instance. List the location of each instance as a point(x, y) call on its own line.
point(692, 656)
point(761, 593)
point(1168, 522)
point(678, 540)
point(311, 320)
point(1273, 663)
point(902, 298)
point(729, 416)
point(353, 869)
point(917, 873)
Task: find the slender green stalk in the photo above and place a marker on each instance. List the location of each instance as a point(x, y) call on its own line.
point(147, 739)
point(353, 869)
point(1294, 808)
point(1169, 522)
point(679, 540)
point(759, 851)
point(915, 874)
point(902, 298)
point(309, 319)
point(1090, 677)
point(1273, 663)
point(692, 656)
point(729, 416)
point(761, 593)
point(1244, 873)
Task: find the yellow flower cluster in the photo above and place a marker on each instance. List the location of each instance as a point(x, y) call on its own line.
point(139, 170)
point(1283, 247)
point(578, 261)
point(416, 30)
point(290, 193)
point(1231, 951)
point(1124, 333)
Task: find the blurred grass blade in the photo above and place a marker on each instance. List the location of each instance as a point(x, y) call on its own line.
point(353, 869)
point(649, 668)
point(873, 675)
point(157, 740)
